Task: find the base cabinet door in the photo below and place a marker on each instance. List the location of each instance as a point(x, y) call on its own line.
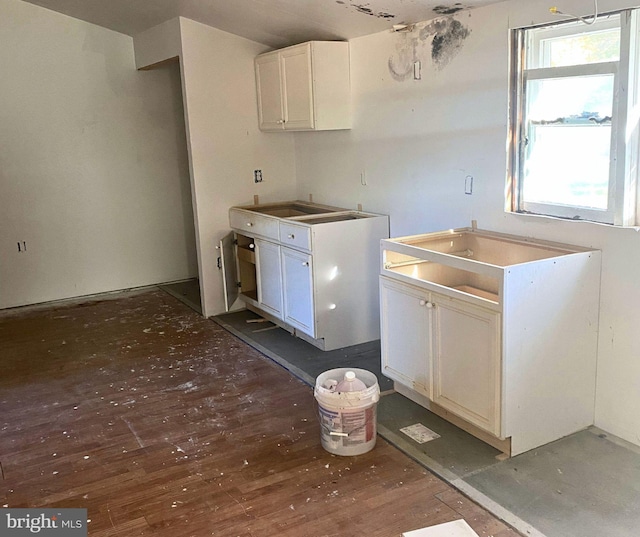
point(405, 336)
point(466, 361)
point(297, 276)
point(269, 275)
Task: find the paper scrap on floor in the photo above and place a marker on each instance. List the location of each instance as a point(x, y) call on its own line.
point(419, 433)
point(457, 528)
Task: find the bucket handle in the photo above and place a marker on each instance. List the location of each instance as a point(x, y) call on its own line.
point(343, 434)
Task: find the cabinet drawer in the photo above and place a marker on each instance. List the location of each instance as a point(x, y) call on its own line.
point(250, 223)
point(295, 236)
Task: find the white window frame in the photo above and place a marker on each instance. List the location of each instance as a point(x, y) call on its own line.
point(624, 193)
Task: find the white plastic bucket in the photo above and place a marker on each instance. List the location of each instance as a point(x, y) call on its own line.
point(347, 419)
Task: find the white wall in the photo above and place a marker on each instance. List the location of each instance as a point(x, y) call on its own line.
point(416, 141)
point(225, 145)
point(93, 166)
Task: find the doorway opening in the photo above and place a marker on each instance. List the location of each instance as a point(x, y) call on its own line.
point(186, 289)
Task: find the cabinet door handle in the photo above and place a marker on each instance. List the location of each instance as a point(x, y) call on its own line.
point(305, 263)
point(249, 224)
point(291, 236)
point(427, 304)
point(280, 121)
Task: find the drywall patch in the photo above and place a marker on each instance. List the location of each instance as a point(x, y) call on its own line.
point(441, 39)
point(407, 53)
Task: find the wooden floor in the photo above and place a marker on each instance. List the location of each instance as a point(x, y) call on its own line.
point(159, 422)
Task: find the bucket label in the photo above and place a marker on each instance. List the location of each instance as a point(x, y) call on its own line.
point(348, 428)
point(359, 425)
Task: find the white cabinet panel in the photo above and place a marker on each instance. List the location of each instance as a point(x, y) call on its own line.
point(269, 91)
point(406, 340)
point(268, 271)
point(254, 224)
point(297, 275)
point(227, 263)
point(466, 361)
point(295, 236)
point(297, 88)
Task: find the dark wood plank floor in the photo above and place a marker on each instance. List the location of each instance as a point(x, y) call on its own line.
point(159, 422)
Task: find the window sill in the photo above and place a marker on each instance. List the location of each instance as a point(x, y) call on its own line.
point(544, 218)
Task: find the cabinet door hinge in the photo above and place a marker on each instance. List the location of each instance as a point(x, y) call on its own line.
point(238, 284)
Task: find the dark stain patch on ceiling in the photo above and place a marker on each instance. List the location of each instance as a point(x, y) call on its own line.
point(448, 10)
point(276, 23)
point(363, 8)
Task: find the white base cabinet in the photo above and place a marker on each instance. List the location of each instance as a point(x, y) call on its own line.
point(494, 332)
point(315, 269)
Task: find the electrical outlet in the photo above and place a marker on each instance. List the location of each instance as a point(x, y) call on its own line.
point(257, 176)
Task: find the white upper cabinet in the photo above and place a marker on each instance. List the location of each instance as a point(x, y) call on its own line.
point(304, 87)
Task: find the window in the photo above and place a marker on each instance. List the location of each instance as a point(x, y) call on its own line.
point(574, 120)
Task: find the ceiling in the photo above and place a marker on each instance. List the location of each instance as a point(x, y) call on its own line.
point(276, 23)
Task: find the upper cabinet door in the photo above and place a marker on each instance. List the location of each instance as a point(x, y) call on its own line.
point(297, 88)
point(269, 88)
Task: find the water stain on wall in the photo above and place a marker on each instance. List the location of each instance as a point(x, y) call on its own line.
point(441, 39)
point(447, 41)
